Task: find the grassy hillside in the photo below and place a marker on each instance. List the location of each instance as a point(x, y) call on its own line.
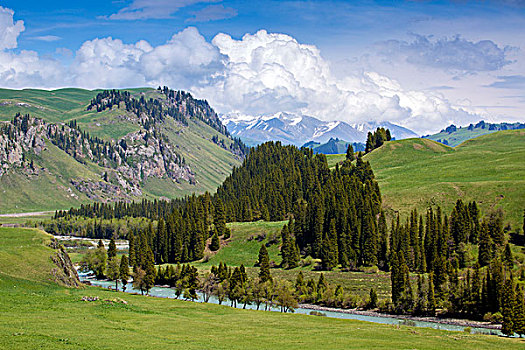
point(334, 146)
point(420, 172)
point(245, 242)
point(32, 307)
point(454, 136)
point(243, 248)
point(52, 189)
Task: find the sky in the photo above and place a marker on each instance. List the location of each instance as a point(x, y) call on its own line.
point(420, 64)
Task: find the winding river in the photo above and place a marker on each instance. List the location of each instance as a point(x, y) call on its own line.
point(165, 292)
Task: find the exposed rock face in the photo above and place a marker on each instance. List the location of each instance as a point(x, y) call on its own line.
point(126, 163)
point(65, 273)
point(16, 139)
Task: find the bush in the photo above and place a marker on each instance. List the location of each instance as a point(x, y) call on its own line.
point(496, 317)
point(467, 330)
point(317, 313)
point(306, 261)
point(371, 269)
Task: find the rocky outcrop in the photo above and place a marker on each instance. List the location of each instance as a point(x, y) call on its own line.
point(64, 273)
point(126, 162)
point(18, 137)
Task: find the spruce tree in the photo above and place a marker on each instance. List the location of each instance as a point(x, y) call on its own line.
point(124, 271)
point(329, 252)
point(220, 219)
point(508, 308)
point(350, 156)
point(264, 264)
point(508, 259)
point(485, 246)
point(112, 249)
point(431, 297)
point(215, 242)
point(519, 312)
point(131, 245)
point(372, 304)
point(149, 269)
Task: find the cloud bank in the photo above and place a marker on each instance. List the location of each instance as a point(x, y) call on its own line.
point(260, 74)
point(455, 54)
point(153, 9)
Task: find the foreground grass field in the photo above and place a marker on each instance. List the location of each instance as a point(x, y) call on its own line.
point(38, 314)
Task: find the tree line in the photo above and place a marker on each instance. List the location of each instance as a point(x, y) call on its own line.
point(376, 139)
point(334, 211)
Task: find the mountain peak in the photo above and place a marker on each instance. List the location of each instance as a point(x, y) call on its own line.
point(291, 128)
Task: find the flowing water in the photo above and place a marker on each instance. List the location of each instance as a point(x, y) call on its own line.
point(166, 292)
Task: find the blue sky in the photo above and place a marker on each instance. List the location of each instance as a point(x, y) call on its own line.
point(421, 64)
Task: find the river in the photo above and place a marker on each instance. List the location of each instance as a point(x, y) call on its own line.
point(166, 292)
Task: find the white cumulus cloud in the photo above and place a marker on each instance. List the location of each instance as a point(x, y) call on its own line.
point(266, 73)
point(186, 60)
point(9, 29)
point(25, 68)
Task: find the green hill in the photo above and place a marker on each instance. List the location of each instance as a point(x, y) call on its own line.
point(333, 146)
point(171, 151)
point(453, 136)
point(419, 172)
point(39, 314)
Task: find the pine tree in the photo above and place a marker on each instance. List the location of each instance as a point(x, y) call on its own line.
point(113, 271)
point(149, 269)
point(350, 156)
point(519, 312)
point(112, 249)
point(329, 252)
point(220, 219)
point(508, 259)
point(508, 308)
point(124, 271)
point(131, 245)
point(372, 304)
point(215, 242)
point(264, 264)
point(485, 246)
point(431, 297)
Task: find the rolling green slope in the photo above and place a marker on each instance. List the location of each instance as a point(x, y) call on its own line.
point(454, 136)
point(419, 172)
point(51, 189)
point(38, 314)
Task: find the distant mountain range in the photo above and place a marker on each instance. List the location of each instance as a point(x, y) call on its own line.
point(298, 129)
point(334, 146)
point(453, 136)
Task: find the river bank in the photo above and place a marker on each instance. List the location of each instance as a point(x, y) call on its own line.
point(444, 321)
point(360, 315)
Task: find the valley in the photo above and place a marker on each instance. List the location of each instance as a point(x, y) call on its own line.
point(241, 212)
point(32, 306)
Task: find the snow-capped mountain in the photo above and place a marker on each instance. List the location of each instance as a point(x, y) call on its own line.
point(299, 129)
point(398, 132)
